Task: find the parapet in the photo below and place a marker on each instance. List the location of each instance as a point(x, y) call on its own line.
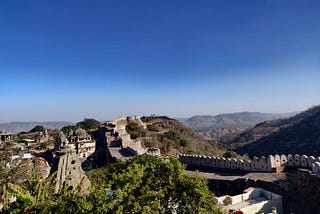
point(259, 164)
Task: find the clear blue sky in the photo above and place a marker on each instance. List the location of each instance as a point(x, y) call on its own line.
point(66, 60)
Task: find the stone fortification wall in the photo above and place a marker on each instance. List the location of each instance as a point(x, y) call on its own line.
point(120, 128)
point(316, 168)
point(153, 151)
point(133, 146)
point(258, 164)
point(136, 119)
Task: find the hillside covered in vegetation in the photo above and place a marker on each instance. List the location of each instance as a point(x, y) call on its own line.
point(298, 134)
point(173, 138)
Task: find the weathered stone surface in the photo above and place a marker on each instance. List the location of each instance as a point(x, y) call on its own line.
point(71, 174)
point(61, 141)
point(284, 160)
point(296, 160)
point(277, 160)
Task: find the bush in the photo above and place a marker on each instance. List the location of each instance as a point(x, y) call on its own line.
point(149, 144)
point(152, 128)
point(67, 129)
point(38, 129)
point(88, 124)
point(183, 143)
point(135, 130)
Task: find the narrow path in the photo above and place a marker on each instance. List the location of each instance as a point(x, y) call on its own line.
point(269, 177)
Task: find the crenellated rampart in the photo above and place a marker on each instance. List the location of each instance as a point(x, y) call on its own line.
point(258, 164)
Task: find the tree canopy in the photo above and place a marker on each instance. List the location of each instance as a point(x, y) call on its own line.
point(143, 184)
point(88, 124)
point(38, 129)
point(135, 130)
point(67, 129)
point(148, 184)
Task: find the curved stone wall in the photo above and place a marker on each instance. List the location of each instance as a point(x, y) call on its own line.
point(257, 164)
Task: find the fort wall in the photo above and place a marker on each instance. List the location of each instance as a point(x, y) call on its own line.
point(133, 146)
point(258, 164)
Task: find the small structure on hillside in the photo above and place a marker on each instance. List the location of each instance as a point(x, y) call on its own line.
point(79, 141)
point(253, 200)
point(153, 151)
point(41, 137)
point(61, 141)
point(5, 136)
point(82, 142)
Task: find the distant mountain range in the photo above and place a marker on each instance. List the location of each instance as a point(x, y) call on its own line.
point(230, 121)
point(16, 127)
point(298, 134)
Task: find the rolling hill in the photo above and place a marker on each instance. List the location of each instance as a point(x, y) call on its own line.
point(233, 120)
point(298, 134)
point(172, 137)
point(16, 127)
point(224, 127)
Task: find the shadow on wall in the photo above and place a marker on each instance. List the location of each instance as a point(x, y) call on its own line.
point(270, 164)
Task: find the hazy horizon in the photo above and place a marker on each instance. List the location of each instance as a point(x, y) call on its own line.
point(65, 61)
point(171, 116)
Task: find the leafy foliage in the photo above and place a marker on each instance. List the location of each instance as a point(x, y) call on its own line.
point(88, 124)
point(135, 130)
point(152, 128)
point(143, 184)
point(173, 138)
point(38, 129)
point(149, 144)
point(148, 184)
point(67, 129)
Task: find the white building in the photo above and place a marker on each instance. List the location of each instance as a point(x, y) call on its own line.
point(253, 200)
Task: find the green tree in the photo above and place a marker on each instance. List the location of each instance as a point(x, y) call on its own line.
point(67, 129)
point(149, 144)
point(143, 184)
point(88, 124)
point(38, 129)
point(135, 130)
point(152, 128)
point(183, 143)
point(148, 184)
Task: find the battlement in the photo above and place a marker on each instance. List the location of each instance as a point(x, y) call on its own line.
point(272, 163)
point(133, 146)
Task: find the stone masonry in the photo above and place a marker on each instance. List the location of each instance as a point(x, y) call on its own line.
point(70, 173)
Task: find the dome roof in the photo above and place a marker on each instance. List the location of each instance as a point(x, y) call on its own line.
point(80, 132)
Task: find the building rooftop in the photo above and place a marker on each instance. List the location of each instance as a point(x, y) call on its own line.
point(253, 200)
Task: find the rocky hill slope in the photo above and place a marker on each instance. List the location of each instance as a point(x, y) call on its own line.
point(298, 134)
point(172, 137)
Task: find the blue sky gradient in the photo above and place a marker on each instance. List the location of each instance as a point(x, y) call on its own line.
point(67, 60)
